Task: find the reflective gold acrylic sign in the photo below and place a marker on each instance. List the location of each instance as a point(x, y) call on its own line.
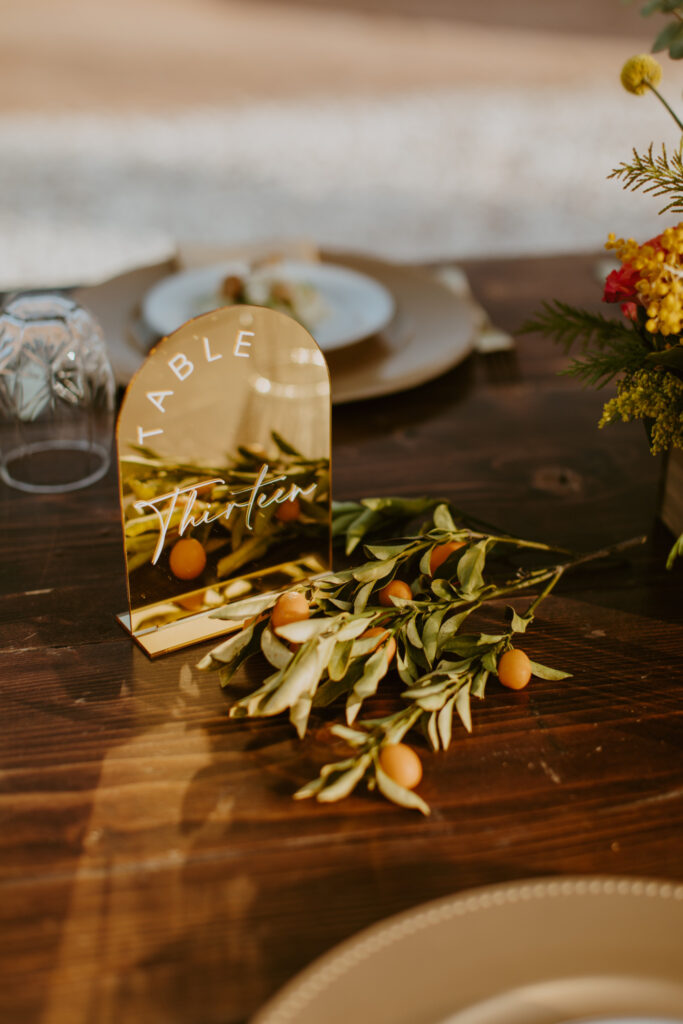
point(224, 467)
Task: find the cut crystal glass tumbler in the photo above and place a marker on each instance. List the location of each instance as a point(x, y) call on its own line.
point(56, 395)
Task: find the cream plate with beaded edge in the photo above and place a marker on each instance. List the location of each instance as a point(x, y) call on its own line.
point(545, 951)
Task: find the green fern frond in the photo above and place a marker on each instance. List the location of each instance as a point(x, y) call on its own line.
point(657, 175)
point(616, 346)
point(566, 324)
point(598, 368)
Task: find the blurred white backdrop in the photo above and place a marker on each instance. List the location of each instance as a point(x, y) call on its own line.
point(441, 140)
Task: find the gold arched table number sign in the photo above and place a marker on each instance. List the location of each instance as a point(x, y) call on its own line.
point(224, 472)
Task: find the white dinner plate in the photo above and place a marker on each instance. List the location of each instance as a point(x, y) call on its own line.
point(546, 951)
point(339, 306)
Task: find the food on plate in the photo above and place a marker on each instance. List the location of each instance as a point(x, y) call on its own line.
point(263, 287)
point(232, 289)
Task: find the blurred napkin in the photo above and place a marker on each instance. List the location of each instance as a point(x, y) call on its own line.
point(489, 338)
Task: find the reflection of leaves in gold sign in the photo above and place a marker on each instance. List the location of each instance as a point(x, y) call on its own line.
point(236, 512)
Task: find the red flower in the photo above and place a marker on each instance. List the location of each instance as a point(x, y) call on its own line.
point(621, 284)
point(630, 310)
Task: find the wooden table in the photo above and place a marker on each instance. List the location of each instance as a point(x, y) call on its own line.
point(154, 867)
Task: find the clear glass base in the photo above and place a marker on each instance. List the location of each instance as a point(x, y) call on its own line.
point(54, 467)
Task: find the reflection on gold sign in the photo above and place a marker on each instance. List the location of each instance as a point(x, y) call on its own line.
point(224, 465)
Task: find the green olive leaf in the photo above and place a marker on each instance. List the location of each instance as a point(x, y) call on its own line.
point(432, 731)
point(465, 645)
point(462, 706)
point(479, 684)
point(399, 794)
point(251, 704)
point(445, 723)
point(331, 689)
point(413, 634)
point(444, 590)
point(385, 551)
point(452, 624)
point(344, 606)
point(430, 633)
point(305, 629)
point(426, 559)
point(353, 736)
point(374, 570)
point(355, 627)
point(518, 623)
point(339, 659)
point(311, 788)
point(443, 519)
point(240, 610)
point(471, 568)
point(299, 714)
point(408, 669)
point(228, 650)
point(301, 676)
point(431, 703)
point(376, 668)
point(362, 597)
point(275, 652)
point(490, 662)
point(543, 672)
point(426, 691)
point(364, 522)
point(340, 787)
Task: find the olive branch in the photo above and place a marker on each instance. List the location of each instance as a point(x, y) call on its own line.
point(341, 654)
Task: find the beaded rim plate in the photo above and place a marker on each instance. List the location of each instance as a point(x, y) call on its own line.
point(545, 951)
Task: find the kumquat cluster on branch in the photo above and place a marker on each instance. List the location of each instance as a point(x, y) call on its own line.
point(421, 625)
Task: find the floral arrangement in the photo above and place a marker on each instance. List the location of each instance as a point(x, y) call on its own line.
point(643, 348)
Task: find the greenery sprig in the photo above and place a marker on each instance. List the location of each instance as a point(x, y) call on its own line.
point(660, 175)
point(609, 346)
point(671, 36)
point(359, 624)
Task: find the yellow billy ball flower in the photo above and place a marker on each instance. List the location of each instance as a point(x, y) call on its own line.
point(640, 71)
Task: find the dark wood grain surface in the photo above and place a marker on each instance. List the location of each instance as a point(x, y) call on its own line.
point(153, 865)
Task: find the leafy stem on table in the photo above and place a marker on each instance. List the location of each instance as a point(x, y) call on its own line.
point(329, 659)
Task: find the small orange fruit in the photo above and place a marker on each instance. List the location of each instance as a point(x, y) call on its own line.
point(401, 764)
point(288, 511)
point(290, 607)
point(441, 552)
point(397, 588)
point(187, 558)
point(385, 637)
point(514, 669)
